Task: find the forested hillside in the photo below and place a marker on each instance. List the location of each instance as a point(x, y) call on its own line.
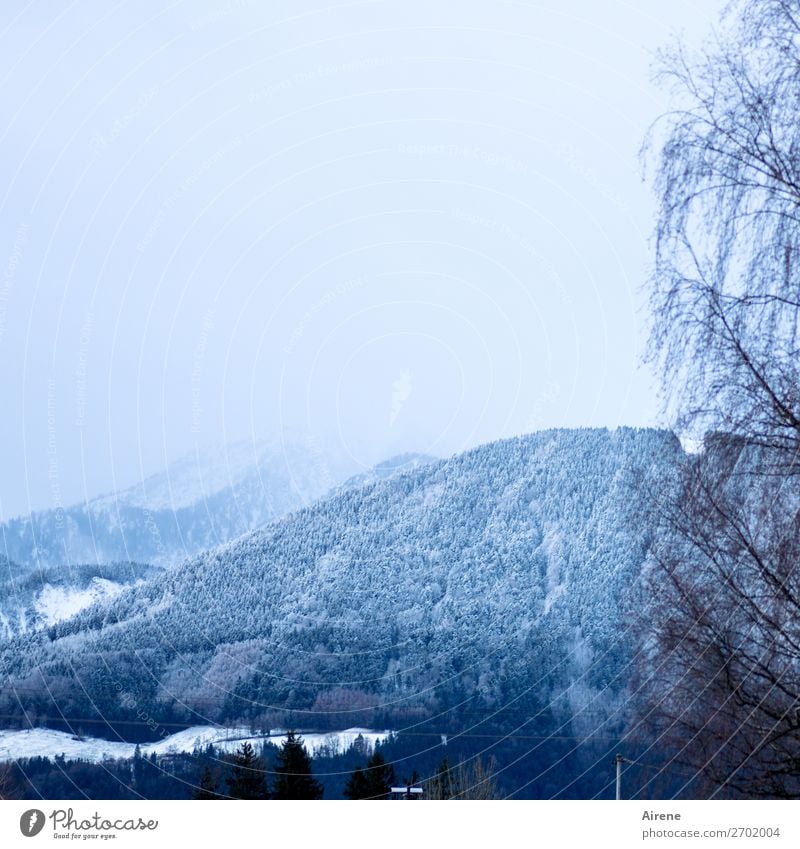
point(32, 598)
point(481, 588)
point(200, 501)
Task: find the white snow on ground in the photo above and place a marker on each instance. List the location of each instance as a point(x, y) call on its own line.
point(45, 742)
point(48, 743)
point(55, 604)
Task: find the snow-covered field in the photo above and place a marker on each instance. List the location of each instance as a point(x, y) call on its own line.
point(48, 743)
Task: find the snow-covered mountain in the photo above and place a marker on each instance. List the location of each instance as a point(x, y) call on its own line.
point(206, 498)
point(200, 501)
point(490, 582)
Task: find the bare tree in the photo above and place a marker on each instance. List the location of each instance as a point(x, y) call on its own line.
point(726, 290)
point(722, 643)
point(471, 779)
point(8, 790)
point(721, 658)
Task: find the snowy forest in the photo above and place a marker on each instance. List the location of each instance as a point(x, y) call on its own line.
point(504, 621)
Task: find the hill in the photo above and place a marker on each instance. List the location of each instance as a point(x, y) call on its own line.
point(491, 584)
point(200, 501)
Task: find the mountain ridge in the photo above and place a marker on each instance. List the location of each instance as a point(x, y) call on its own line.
point(463, 581)
point(201, 500)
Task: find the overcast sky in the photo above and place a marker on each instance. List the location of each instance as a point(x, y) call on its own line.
point(402, 225)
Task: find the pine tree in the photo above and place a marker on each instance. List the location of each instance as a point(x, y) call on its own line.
point(248, 777)
point(441, 786)
point(379, 777)
point(356, 787)
point(207, 789)
point(137, 769)
point(293, 769)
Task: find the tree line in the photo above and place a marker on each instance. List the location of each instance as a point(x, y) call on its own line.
point(286, 772)
point(246, 777)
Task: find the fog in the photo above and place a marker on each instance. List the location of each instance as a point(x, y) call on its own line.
point(382, 226)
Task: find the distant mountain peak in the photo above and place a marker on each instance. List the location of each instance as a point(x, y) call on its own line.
point(388, 468)
point(212, 494)
point(209, 496)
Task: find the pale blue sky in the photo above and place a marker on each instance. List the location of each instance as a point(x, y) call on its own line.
point(405, 225)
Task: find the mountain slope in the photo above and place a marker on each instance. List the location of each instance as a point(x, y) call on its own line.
point(387, 469)
point(491, 579)
point(200, 501)
point(31, 599)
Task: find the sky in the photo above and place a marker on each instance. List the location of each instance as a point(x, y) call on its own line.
point(410, 225)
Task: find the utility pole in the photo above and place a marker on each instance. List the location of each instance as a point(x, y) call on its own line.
point(619, 760)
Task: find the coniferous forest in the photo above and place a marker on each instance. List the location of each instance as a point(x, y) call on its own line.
point(547, 615)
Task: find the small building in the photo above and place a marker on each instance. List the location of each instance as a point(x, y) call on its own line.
point(409, 791)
